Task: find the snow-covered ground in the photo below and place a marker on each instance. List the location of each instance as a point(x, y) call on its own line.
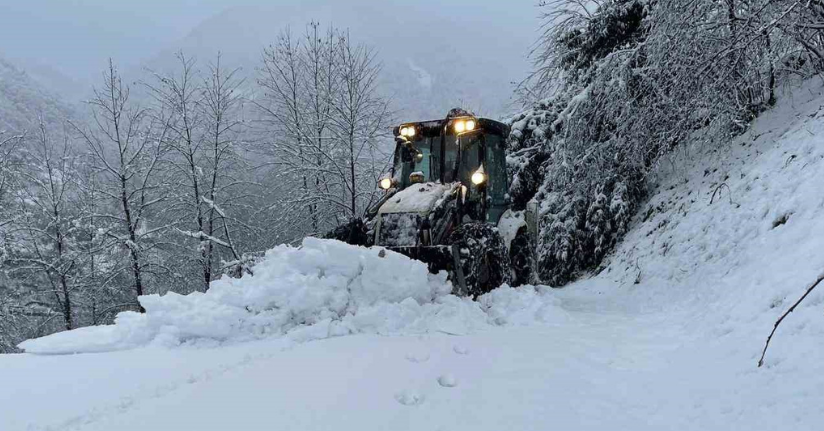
point(333, 337)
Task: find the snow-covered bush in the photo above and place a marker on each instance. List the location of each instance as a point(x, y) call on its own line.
point(580, 225)
point(623, 83)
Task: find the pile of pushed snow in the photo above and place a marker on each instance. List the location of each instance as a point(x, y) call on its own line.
point(323, 288)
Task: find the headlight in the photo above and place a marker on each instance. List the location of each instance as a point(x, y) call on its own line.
point(459, 126)
point(464, 125)
point(408, 131)
point(386, 183)
point(479, 176)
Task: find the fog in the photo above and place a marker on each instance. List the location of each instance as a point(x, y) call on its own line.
point(435, 55)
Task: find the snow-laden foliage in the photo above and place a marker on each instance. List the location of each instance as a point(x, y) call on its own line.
point(620, 83)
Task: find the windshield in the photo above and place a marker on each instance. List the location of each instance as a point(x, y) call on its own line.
point(470, 157)
point(406, 164)
point(437, 167)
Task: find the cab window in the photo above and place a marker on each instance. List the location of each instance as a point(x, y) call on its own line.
point(471, 157)
point(405, 162)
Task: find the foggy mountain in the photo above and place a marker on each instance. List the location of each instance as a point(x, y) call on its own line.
point(431, 63)
point(25, 96)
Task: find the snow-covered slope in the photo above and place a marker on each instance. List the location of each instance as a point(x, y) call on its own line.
point(666, 337)
point(23, 100)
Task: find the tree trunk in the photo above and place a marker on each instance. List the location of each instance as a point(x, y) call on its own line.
point(352, 169)
point(135, 258)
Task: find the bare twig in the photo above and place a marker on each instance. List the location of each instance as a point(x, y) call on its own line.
point(718, 191)
point(791, 309)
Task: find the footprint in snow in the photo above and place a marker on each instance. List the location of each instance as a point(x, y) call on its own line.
point(447, 381)
point(417, 357)
point(461, 350)
point(409, 398)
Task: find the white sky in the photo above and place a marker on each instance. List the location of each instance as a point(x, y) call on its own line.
point(76, 36)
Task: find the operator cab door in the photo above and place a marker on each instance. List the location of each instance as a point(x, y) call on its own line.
point(497, 187)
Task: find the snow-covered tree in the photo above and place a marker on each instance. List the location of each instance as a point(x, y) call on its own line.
point(203, 117)
point(323, 120)
point(360, 123)
point(128, 148)
point(46, 252)
point(224, 163)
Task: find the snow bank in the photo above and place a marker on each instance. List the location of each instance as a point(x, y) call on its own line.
point(323, 288)
point(735, 235)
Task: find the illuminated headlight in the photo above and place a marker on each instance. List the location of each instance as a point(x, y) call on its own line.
point(479, 176)
point(386, 183)
point(464, 125)
point(459, 126)
point(408, 131)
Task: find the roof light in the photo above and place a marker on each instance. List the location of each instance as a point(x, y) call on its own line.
point(407, 131)
point(466, 124)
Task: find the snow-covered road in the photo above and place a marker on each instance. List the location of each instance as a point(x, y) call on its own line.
point(609, 366)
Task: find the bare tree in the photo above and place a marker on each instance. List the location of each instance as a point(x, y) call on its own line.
point(322, 83)
point(181, 97)
point(361, 120)
point(221, 107)
point(282, 76)
point(10, 163)
point(47, 222)
point(128, 148)
point(204, 137)
point(324, 118)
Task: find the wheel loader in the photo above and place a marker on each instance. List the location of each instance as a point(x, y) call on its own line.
point(445, 203)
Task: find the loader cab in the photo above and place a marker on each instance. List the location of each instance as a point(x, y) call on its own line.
point(458, 149)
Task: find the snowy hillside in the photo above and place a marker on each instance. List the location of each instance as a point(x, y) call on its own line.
point(23, 99)
point(667, 336)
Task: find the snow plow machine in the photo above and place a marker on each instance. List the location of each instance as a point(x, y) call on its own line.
point(445, 203)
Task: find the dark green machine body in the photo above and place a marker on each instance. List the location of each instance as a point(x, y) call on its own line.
point(447, 157)
point(445, 195)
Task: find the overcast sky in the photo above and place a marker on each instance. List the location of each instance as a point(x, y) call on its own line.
point(76, 36)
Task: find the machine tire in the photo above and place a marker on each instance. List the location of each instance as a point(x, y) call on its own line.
point(484, 258)
point(521, 258)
